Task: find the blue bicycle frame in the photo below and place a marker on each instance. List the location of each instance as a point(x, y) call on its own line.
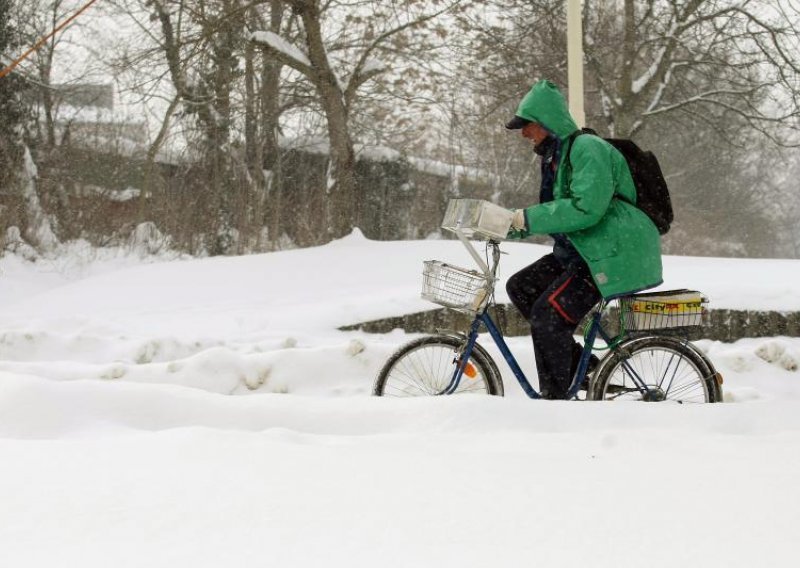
point(595, 329)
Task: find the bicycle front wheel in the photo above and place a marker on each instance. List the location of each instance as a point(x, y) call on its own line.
point(656, 369)
point(425, 367)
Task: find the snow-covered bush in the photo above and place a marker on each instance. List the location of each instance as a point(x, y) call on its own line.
point(14, 243)
point(146, 240)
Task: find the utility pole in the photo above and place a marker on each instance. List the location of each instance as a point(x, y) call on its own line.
point(575, 61)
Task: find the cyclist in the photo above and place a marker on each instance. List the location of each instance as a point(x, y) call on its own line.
point(602, 246)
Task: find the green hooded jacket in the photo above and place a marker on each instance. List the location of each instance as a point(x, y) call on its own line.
point(619, 242)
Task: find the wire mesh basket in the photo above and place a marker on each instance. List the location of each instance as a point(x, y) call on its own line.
point(663, 310)
point(453, 287)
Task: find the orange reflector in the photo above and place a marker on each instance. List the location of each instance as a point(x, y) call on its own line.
point(719, 378)
point(470, 370)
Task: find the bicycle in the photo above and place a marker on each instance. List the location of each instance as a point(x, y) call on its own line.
point(646, 361)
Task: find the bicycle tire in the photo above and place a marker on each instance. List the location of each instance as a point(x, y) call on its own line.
point(425, 366)
point(673, 370)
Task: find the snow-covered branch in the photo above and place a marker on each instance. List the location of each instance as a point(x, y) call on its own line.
point(284, 52)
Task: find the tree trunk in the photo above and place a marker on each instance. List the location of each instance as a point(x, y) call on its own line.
point(341, 183)
point(270, 115)
point(252, 148)
point(48, 104)
point(211, 101)
point(624, 111)
point(39, 231)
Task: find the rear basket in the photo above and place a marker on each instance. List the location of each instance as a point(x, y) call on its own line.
point(663, 310)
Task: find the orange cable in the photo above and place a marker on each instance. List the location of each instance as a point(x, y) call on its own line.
point(42, 41)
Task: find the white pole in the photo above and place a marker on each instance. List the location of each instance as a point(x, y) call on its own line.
point(575, 61)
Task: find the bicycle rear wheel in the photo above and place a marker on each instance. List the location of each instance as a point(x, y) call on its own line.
point(671, 370)
point(425, 367)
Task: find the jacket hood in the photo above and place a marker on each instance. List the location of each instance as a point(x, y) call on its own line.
point(545, 104)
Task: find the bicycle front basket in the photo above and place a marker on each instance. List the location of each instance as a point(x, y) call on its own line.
point(663, 310)
point(453, 287)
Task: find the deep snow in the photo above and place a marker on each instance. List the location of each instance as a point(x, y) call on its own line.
point(109, 460)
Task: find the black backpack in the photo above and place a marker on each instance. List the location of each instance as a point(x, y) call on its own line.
point(652, 194)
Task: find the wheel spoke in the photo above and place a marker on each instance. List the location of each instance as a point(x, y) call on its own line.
point(666, 367)
point(426, 367)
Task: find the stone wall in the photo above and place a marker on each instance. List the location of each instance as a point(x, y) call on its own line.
point(721, 325)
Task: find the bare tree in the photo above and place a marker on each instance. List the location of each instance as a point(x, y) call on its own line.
point(710, 59)
point(20, 173)
point(199, 42)
point(228, 112)
point(263, 111)
point(345, 46)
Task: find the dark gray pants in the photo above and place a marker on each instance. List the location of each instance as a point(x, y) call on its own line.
point(554, 300)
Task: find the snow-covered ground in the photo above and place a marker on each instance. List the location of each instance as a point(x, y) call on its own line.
point(121, 443)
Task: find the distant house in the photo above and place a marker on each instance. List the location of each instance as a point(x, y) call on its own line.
point(84, 95)
point(85, 116)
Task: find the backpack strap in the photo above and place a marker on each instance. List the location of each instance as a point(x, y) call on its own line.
point(571, 141)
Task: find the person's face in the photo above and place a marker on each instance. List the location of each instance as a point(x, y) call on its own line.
point(534, 132)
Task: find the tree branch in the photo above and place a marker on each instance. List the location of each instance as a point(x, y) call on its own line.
point(269, 42)
point(357, 78)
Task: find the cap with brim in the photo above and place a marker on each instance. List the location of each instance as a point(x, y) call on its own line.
point(517, 122)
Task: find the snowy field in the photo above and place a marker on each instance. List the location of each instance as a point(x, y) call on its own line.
point(205, 413)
